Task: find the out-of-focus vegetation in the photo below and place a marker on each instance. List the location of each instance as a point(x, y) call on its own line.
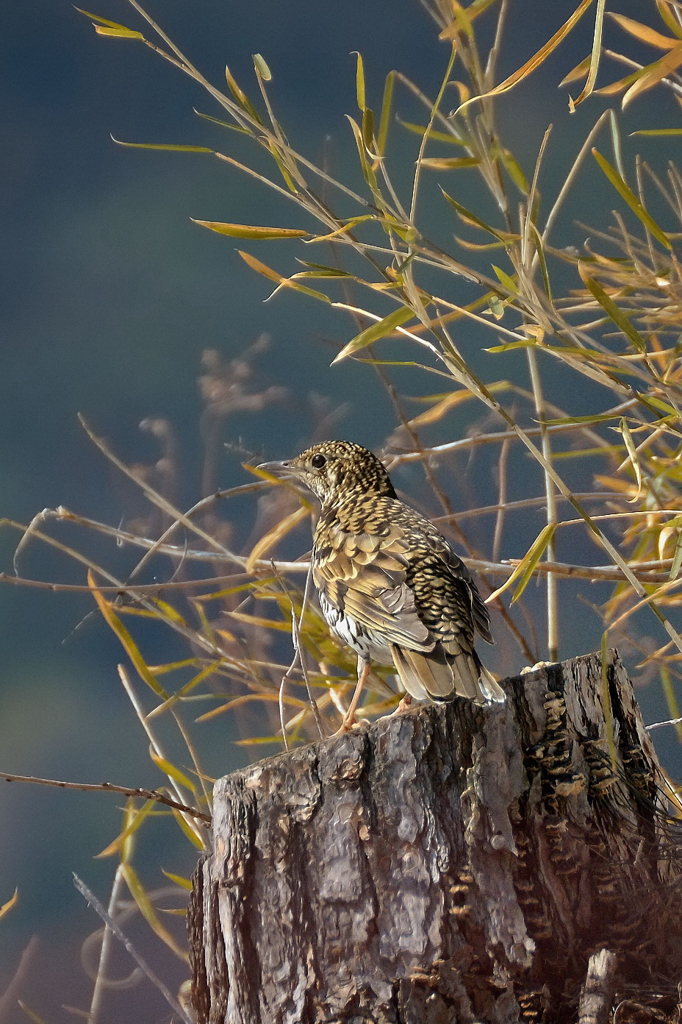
point(418, 273)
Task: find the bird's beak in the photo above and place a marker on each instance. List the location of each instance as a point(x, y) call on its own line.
point(283, 469)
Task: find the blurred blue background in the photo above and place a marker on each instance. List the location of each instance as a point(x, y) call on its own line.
point(110, 295)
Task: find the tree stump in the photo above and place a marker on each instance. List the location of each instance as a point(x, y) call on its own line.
point(451, 864)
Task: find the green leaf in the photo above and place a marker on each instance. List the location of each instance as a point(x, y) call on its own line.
point(508, 282)
point(378, 330)
point(162, 145)
point(617, 315)
point(360, 81)
point(658, 131)
point(184, 883)
point(421, 129)
point(470, 218)
point(385, 112)
point(261, 67)
point(631, 199)
point(677, 557)
point(98, 20)
point(118, 33)
point(527, 566)
point(250, 230)
point(632, 453)
point(449, 163)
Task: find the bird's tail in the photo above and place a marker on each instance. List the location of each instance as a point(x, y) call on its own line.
point(439, 676)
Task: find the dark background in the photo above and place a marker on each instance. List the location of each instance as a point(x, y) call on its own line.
point(110, 294)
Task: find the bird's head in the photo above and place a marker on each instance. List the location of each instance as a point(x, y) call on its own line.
point(333, 470)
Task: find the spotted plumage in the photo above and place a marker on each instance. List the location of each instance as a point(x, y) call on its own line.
point(388, 582)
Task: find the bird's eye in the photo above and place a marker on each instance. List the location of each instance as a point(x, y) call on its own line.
point(318, 461)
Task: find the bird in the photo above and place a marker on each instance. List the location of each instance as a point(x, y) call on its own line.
point(389, 584)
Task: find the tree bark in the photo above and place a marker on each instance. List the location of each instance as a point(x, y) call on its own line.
point(454, 863)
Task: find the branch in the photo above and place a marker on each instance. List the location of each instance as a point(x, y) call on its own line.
point(89, 787)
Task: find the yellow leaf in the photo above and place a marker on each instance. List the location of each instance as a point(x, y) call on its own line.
point(527, 564)
point(273, 536)
point(118, 33)
point(12, 902)
point(134, 818)
point(171, 771)
point(250, 230)
point(125, 638)
point(655, 73)
point(184, 883)
point(644, 32)
point(629, 196)
point(377, 330)
point(283, 282)
point(147, 910)
point(537, 59)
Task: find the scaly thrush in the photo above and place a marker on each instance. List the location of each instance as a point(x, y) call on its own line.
point(389, 584)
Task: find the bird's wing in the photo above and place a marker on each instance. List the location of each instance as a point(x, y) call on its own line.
point(364, 576)
point(446, 597)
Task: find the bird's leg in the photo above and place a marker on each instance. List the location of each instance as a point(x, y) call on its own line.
point(349, 717)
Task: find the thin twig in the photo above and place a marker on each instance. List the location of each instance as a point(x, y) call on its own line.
point(142, 964)
point(110, 787)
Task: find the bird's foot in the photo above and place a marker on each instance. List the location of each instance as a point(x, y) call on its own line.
point(405, 703)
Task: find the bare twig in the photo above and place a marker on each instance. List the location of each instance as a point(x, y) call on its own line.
point(142, 964)
point(110, 787)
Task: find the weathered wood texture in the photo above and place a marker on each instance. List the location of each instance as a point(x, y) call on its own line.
point(451, 864)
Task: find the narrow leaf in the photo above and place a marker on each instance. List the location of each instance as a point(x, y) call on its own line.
point(654, 73)
point(147, 910)
point(439, 163)
point(420, 129)
point(617, 315)
point(644, 32)
point(536, 552)
point(275, 535)
point(578, 72)
point(98, 20)
point(11, 902)
point(360, 81)
point(386, 104)
point(375, 332)
point(658, 131)
point(162, 145)
point(470, 218)
point(508, 282)
point(184, 883)
point(538, 58)
point(283, 282)
point(526, 566)
point(632, 453)
point(133, 821)
point(250, 230)
point(118, 33)
point(669, 18)
point(677, 556)
point(171, 771)
point(125, 638)
point(594, 57)
point(629, 196)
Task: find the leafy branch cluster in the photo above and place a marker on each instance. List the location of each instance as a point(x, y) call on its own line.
point(614, 329)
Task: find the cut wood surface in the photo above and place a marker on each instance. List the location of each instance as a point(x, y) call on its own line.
point(452, 863)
